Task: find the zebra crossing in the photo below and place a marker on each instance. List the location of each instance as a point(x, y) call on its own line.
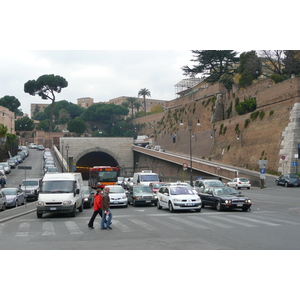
point(149, 223)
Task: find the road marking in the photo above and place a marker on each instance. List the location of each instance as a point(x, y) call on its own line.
point(227, 219)
point(186, 222)
point(121, 226)
point(257, 221)
point(211, 222)
point(72, 227)
point(48, 229)
point(143, 224)
point(168, 224)
point(23, 229)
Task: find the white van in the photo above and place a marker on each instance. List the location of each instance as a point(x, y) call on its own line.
point(145, 178)
point(60, 193)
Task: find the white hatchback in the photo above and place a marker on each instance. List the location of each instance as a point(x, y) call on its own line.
point(117, 196)
point(178, 197)
point(238, 183)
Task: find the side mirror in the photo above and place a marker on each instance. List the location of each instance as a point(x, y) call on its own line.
point(77, 192)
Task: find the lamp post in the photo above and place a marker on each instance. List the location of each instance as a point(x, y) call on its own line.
point(67, 148)
point(62, 155)
point(190, 125)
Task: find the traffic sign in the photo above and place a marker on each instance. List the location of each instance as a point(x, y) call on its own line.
point(262, 171)
point(24, 167)
point(294, 164)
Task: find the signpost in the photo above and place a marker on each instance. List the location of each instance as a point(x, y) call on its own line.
point(25, 168)
point(262, 166)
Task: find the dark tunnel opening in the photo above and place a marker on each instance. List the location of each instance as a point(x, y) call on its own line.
point(96, 158)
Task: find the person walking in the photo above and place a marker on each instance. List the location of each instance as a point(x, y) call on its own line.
point(97, 208)
point(106, 210)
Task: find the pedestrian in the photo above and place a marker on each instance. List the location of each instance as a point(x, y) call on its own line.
point(97, 207)
point(106, 209)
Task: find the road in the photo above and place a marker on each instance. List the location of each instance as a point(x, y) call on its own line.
point(273, 223)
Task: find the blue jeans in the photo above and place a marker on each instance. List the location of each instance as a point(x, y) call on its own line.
point(104, 218)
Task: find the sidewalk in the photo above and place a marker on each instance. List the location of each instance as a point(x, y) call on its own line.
point(11, 213)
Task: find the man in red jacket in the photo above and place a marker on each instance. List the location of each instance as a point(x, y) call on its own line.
point(97, 207)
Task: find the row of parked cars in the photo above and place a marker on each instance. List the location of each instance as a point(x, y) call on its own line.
point(13, 197)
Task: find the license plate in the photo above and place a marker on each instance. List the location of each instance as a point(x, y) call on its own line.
point(148, 201)
point(52, 208)
point(189, 204)
point(240, 204)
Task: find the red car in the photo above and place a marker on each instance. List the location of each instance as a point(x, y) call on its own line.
point(155, 186)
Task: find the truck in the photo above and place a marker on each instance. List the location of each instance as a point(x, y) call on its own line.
point(60, 193)
point(145, 177)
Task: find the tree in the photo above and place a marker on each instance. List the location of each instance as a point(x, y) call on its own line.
point(292, 62)
point(250, 68)
point(131, 102)
point(10, 102)
point(212, 64)
point(77, 125)
point(46, 86)
point(137, 105)
point(24, 124)
point(274, 60)
point(3, 130)
point(157, 109)
point(144, 92)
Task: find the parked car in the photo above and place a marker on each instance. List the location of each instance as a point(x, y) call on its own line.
point(50, 169)
point(31, 187)
point(40, 148)
point(117, 196)
point(32, 146)
point(288, 180)
point(2, 171)
point(224, 198)
point(178, 197)
point(12, 162)
point(240, 182)
point(6, 166)
point(120, 180)
point(88, 196)
point(201, 185)
point(2, 201)
point(141, 195)
point(14, 197)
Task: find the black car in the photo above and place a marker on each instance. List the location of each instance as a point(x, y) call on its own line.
point(141, 195)
point(288, 180)
point(201, 185)
point(88, 196)
point(223, 198)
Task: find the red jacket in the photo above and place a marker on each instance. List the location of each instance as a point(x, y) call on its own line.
point(97, 202)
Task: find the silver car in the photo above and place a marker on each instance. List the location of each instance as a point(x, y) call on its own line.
point(14, 197)
point(31, 187)
point(2, 201)
point(6, 166)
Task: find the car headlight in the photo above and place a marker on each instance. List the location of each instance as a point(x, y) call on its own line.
point(228, 201)
point(69, 202)
point(85, 199)
point(248, 201)
point(40, 203)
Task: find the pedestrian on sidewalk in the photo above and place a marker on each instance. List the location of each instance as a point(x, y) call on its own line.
point(97, 207)
point(106, 212)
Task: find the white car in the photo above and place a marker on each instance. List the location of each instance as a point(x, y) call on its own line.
point(32, 146)
point(117, 196)
point(178, 197)
point(240, 182)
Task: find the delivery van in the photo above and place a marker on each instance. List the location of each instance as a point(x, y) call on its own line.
point(60, 193)
point(145, 178)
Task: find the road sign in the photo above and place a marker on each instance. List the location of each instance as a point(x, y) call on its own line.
point(294, 164)
point(283, 157)
point(24, 167)
point(262, 171)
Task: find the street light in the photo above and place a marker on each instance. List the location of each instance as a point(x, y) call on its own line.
point(62, 155)
point(190, 124)
point(67, 148)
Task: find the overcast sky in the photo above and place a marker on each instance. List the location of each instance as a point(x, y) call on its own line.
point(101, 75)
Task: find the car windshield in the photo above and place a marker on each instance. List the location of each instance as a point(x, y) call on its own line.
point(116, 189)
point(156, 185)
point(243, 180)
point(149, 177)
point(86, 189)
point(181, 190)
point(58, 186)
point(294, 176)
point(214, 183)
point(9, 191)
point(142, 189)
point(225, 191)
point(30, 182)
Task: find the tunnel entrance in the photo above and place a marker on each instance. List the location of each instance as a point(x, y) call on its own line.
point(95, 158)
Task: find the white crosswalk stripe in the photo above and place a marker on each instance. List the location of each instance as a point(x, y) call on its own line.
point(236, 222)
point(48, 229)
point(257, 221)
point(189, 223)
point(122, 226)
point(143, 224)
point(23, 229)
point(73, 227)
point(212, 222)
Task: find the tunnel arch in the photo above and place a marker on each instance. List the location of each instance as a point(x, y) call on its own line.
point(94, 157)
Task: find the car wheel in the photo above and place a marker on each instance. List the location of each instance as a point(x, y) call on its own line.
point(133, 203)
point(158, 205)
point(245, 208)
point(171, 209)
point(73, 213)
point(81, 207)
point(17, 203)
point(277, 182)
point(3, 207)
point(39, 215)
point(198, 210)
point(219, 206)
point(285, 184)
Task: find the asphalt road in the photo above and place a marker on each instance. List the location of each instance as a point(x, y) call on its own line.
point(273, 223)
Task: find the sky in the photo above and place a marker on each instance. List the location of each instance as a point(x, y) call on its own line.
point(99, 74)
